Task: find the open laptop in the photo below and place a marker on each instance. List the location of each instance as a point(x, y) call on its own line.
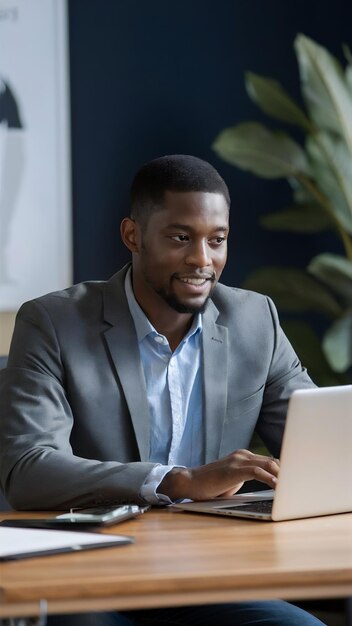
point(315, 463)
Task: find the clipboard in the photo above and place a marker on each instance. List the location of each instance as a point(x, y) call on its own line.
point(25, 543)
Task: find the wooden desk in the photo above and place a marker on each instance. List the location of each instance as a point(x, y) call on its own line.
point(183, 558)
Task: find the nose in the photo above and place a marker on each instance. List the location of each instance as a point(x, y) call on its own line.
point(198, 255)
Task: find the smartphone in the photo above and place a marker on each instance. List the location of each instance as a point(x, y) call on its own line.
point(80, 518)
point(103, 515)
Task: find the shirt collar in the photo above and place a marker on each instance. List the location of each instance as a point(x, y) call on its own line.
point(141, 322)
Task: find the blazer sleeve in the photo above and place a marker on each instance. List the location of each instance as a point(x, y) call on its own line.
point(38, 469)
point(285, 375)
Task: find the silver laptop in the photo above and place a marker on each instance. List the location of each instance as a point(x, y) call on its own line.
point(315, 464)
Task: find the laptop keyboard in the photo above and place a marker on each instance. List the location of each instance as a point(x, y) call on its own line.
point(262, 506)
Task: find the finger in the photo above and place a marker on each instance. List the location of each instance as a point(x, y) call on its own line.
point(263, 457)
point(269, 464)
point(265, 477)
point(246, 457)
point(272, 466)
point(267, 473)
point(250, 473)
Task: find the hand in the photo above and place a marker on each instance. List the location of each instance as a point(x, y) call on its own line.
point(221, 478)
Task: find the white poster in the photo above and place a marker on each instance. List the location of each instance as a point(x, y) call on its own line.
point(35, 215)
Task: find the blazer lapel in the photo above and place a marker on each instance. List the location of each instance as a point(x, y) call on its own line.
point(123, 346)
point(121, 340)
point(215, 369)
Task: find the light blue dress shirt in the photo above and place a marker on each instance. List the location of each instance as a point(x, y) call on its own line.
point(175, 397)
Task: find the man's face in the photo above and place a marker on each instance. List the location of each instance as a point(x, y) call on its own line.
point(182, 251)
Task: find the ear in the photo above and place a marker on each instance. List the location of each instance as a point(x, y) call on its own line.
point(130, 233)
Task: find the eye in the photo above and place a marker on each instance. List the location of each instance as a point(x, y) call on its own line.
point(217, 241)
point(180, 238)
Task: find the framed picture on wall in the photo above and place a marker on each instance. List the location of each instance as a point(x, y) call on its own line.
point(35, 186)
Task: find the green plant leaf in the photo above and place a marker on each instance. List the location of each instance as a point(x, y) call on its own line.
point(332, 166)
point(347, 53)
point(337, 344)
point(293, 290)
point(324, 88)
point(336, 272)
point(348, 70)
point(270, 154)
point(301, 195)
point(348, 74)
point(272, 98)
point(257, 446)
point(300, 218)
point(307, 344)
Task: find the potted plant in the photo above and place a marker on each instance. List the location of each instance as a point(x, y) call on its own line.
point(319, 171)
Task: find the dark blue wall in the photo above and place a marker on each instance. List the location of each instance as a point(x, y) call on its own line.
point(153, 77)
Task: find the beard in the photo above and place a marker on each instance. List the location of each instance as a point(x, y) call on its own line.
point(168, 296)
point(179, 306)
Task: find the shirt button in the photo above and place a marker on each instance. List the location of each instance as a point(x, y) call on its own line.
point(159, 339)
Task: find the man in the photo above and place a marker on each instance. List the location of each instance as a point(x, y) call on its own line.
point(148, 388)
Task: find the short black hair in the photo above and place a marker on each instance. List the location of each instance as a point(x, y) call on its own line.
point(175, 172)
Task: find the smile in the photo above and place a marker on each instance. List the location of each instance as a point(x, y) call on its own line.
point(194, 281)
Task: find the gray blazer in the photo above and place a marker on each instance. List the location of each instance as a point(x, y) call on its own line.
point(74, 419)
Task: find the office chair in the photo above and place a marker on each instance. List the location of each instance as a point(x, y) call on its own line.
point(4, 506)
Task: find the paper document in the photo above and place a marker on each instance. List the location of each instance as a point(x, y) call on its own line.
point(20, 543)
